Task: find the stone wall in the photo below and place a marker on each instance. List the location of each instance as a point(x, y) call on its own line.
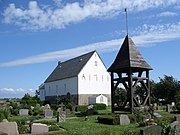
point(53, 99)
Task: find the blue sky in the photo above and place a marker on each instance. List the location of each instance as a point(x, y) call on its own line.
point(35, 35)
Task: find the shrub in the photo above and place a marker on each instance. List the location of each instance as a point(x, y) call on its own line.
point(110, 120)
point(132, 118)
point(24, 129)
point(99, 106)
point(82, 108)
point(37, 111)
point(54, 128)
point(4, 113)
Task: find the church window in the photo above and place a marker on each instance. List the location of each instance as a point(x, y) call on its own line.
point(83, 77)
point(89, 77)
point(102, 77)
point(96, 63)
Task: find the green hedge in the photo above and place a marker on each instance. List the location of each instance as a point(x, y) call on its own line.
point(99, 106)
point(54, 128)
point(82, 108)
point(110, 120)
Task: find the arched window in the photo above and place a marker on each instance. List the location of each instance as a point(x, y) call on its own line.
point(68, 96)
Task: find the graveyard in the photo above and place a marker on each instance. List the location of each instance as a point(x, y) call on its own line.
point(94, 119)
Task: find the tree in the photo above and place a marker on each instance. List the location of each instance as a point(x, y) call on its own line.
point(26, 97)
point(167, 89)
point(120, 96)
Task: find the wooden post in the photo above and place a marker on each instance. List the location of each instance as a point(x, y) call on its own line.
point(130, 83)
point(112, 92)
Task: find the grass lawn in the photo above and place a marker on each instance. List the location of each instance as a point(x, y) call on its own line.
point(78, 126)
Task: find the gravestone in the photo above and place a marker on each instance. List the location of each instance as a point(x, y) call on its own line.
point(155, 106)
point(61, 106)
point(173, 103)
point(38, 128)
point(10, 128)
point(47, 106)
point(151, 130)
point(90, 111)
point(90, 107)
point(124, 120)
point(62, 116)
point(38, 105)
point(158, 107)
point(23, 112)
point(73, 108)
point(157, 115)
point(168, 108)
point(174, 124)
point(48, 113)
point(68, 111)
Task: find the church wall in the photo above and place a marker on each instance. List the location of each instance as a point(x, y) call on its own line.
point(94, 78)
point(61, 87)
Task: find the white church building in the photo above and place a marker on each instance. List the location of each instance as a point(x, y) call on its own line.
point(84, 80)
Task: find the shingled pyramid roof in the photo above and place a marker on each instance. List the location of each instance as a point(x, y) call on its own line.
point(70, 68)
point(129, 57)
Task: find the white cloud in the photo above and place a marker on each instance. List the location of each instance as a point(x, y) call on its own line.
point(36, 17)
point(167, 13)
point(11, 93)
point(143, 36)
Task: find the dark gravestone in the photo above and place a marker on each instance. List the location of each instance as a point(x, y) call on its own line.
point(151, 130)
point(168, 108)
point(90, 111)
point(73, 108)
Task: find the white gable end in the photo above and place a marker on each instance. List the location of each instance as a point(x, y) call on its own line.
point(94, 78)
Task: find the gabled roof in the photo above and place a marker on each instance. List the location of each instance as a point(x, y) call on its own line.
point(70, 68)
point(129, 57)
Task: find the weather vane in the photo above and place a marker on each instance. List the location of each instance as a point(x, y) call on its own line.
point(126, 21)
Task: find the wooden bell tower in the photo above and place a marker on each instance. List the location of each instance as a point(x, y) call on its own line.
point(129, 70)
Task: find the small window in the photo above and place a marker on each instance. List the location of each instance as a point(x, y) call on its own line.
point(96, 77)
point(96, 63)
point(83, 77)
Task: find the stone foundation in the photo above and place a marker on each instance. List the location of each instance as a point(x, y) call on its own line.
point(53, 99)
point(81, 99)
